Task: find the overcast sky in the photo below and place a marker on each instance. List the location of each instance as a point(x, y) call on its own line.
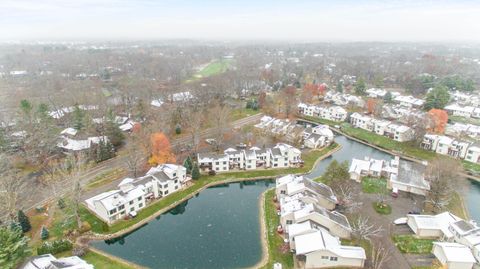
point(295, 20)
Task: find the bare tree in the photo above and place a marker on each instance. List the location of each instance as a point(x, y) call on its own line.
point(220, 116)
point(73, 167)
point(11, 183)
point(442, 174)
point(380, 255)
point(135, 155)
point(363, 229)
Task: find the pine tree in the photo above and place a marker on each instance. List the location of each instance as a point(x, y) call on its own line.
point(24, 221)
point(178, 130)
point(195, 172)
point(78, 118)
point(388, 97)
point(360, 87)
point(339, 86)
point(45, 234)
point(13, 247)
point(188, 164)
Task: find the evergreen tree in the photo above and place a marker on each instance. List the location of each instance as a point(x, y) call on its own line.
point(388, 97)
point(24, 221)
point(188, 164)
point(78, 118)
point(195, 172)
point(178, 130)
point(112, 131)
point(13, 247)
point(438, 98)
point(360, 87)
point(339, 86)
point(45, 234)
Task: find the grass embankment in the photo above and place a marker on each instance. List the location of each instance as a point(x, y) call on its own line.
point(103, 262)
point(106, 177)
point(405, 148)
point(309, 160)
point(374, 185)
point(461, 119)
point(412, 245)
point(274, 241)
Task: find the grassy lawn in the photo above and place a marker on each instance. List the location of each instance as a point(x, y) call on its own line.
point(103, 262)
point(241, 113)
point(474, 168)
point(309, 159)
point(213, 68)
point(410, 244)
point(382, 209)
point(374, 185)
point(275, 241)
point(461, 119)
point(64, 221)
point(456, 206)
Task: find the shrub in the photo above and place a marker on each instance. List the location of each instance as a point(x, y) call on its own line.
point(85, 227)
point(61, 203)
point(54, 247)
point(79, 251)
point(24, 221)
point(178, 130)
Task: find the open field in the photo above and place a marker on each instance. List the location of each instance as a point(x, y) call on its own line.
point(213, 68)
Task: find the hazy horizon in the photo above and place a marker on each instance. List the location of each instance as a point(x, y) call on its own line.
point(299, 21)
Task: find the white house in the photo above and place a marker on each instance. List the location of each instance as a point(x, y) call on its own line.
point(213, 162)
point(473, 154)
point(409, 101)
point(376, 93)
point(132, 194)
point(408, 177)
point(369, 167)
point(332, 113)
point(48, 261)
point(457, 110)
point(306, 190)
point(73, 145)
point(453, 255)
point(322, 250)
point(432, 226)
point(317, 137)
point(361, 121)
point(398, 132)
point(235, 158)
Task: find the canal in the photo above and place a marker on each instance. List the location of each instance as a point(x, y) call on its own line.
point(219, 228)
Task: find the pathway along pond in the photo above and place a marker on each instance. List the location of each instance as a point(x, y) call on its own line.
point(220, 227)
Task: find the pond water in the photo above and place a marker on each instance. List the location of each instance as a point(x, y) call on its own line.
point(219, 228)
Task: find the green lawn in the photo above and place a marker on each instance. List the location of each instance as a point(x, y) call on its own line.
point(309, 159)
point(474, 168)
point(213, 68)
point(410, 244)
point(103, 262)
point(241, 113)
point(64, 220)
point(382, 209)
point(275, 241)
point(374, 185)
point(461, 119)
point(106, 177)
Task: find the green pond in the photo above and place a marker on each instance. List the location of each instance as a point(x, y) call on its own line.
point(219, 228)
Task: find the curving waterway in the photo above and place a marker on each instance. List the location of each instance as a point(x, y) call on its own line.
point(219, 228)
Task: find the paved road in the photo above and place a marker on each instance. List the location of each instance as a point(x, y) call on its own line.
point(42, 194)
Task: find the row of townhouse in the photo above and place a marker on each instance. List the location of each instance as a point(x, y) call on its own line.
point(397, 132)
point(463, 111)
point(465, 99)
point(461, 129)
point(317, 137)
point(460, 246)
point(446, 145)
point(312, 230)
point(409, 101)
point(400, 113)
point(332, 113)
point(280, 156)
point(401, 175)
point(133, 194)
point(343, 99)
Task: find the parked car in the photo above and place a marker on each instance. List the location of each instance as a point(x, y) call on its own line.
point(210, 141)
point(241, 146)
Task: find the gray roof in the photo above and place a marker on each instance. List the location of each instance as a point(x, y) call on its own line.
point(464, 225)
point(334, 216)
point(319, 188)
point(411, 173)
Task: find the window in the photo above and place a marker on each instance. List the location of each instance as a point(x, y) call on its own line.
point(224, 162)
point(139, 198)
point(334, 259)
point(132, 209)
point(113, 211)
point(122, 213)
point(289, 222)
point(166, 192)
point(283, 192)
point(176, 181)
point(131, 202)
point(325, 257)
point(217, 163)
point(165, 186)
point(176, 187)
point(275, 165)
point(174, 174)
point(121, 207)
point(140, 205)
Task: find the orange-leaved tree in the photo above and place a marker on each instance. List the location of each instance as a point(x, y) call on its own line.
point(371, 104)
point(439, 118)
point(161, 150)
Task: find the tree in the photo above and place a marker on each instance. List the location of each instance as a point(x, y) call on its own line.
point(438, 97)
point(339, 87)
point(178, 130)
point(371, 105)
point(439, 119)
point(188, 164)
point(24, 221)
point(26, 107)
point(78, 118)
point(388, 97)
point(336, 173)
point(161, 150)
point(442, 175)
point(195, 172)
point(13, 247)
point(262, 99)
point(220, 114)
point(11, 183)
point(380, 255)
point(360, 87)
point(289, 101)
point(44, 234)
point(363, 229)
point(114, 134)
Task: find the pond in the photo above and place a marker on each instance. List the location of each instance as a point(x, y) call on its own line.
point(219, 228)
